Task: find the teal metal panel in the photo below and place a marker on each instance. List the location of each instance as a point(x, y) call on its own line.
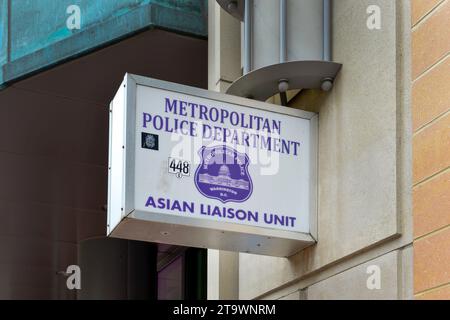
point(3, 36)
point(39, 36)
point(36, 24)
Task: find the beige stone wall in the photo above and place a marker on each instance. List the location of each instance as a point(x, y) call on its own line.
point(364, 218)
point(224, 66)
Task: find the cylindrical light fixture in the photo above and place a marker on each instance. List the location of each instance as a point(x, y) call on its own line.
point(287, 45)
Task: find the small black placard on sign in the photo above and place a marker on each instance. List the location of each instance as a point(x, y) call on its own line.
point(150, 141)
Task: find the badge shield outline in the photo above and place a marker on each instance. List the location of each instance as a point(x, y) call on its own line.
point(239, 184)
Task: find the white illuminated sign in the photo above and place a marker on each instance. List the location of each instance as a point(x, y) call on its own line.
point(197, 168)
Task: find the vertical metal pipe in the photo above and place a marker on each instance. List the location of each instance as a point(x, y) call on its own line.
point(283, 26)
point(248, 36)
point(327, 30)
point(283, 48)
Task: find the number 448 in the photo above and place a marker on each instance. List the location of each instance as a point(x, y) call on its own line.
point(179, 167)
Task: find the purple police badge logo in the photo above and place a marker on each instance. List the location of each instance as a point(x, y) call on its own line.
point(223, 174)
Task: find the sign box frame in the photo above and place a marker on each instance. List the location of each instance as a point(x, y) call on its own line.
point(125, 222)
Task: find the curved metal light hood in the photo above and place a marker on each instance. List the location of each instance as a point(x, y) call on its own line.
point(261, 84)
